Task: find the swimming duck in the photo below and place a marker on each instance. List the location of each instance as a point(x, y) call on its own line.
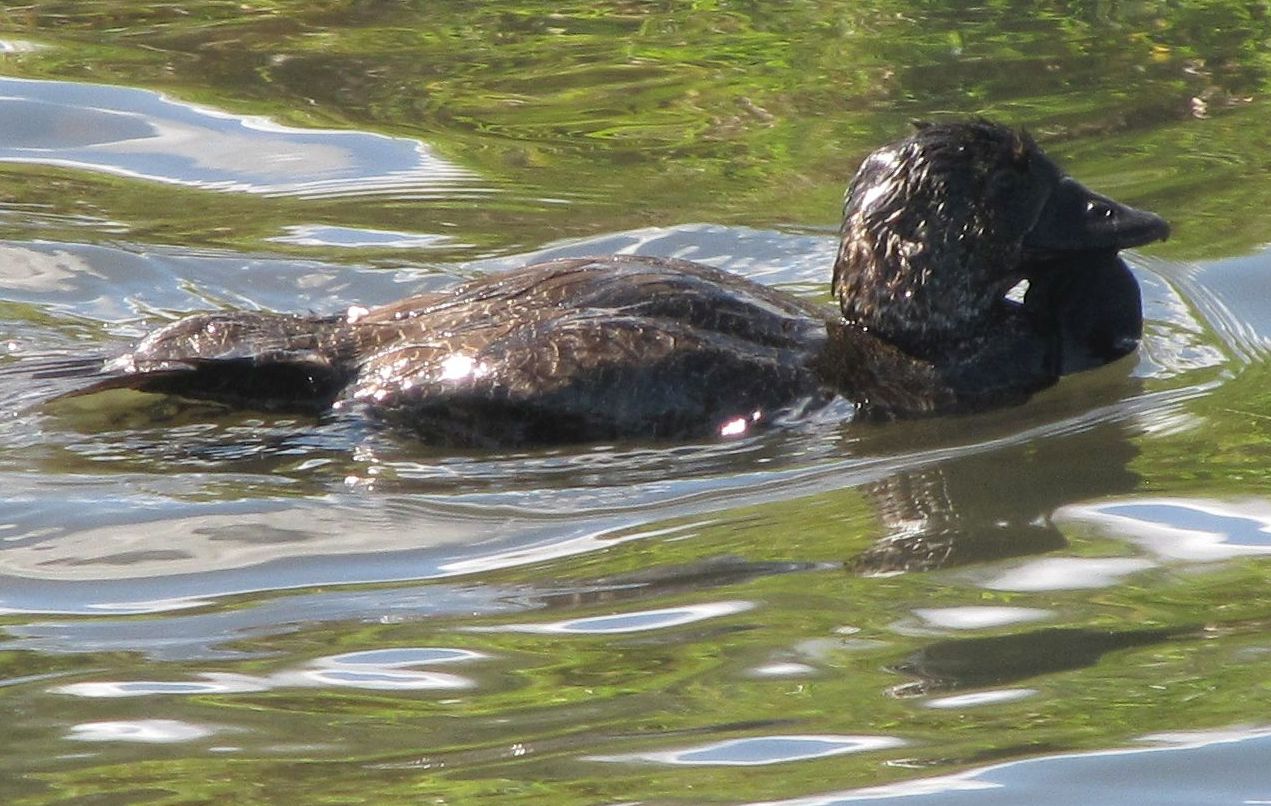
point(937, 228)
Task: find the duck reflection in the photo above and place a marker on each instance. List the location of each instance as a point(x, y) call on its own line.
point(974, 663)
point(993, 504)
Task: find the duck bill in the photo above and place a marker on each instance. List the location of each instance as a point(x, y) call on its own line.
point(1076, 219)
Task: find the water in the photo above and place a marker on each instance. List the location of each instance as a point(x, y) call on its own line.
point(1058, 603)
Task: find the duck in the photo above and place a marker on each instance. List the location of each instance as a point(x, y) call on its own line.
point(938, 227)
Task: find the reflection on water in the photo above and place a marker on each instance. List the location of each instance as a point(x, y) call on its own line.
point(149, 731)
point(350, 237)
point(1179, 529)
point(631, 621)
point(993, 504)
point(977, 618)
point(979, 662)
point(763, 750)
point(144, 135)
point(1183, 770)
point(979, 699)
point(1066, 573)
point(380, 670)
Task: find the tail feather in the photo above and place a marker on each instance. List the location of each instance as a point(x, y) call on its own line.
point(29, 381)
point(54, 368)
point(274, 362)
point(269, 385)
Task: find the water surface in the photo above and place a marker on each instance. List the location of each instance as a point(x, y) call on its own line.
point(1055, 603)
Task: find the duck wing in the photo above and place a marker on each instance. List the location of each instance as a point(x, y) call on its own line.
point(581, 377)
point(589, 349)
point(658, 288)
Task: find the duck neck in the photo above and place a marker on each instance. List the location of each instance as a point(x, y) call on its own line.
point(921, 286)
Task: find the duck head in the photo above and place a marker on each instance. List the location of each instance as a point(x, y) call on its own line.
point(939, 225)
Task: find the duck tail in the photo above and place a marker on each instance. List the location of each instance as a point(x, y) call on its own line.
point(267, 361)
point(28, 381)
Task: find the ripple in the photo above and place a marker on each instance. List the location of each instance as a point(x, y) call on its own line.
point(1068, 573)
point(379, 679)
point(771, 257)
point(760, 750)
point(354, 237)
point(386, 669)
point(978, 618)
point(13, 46)
point(142, 134)
point(783, 669)
point(212, 683)
point(1174, 340)
point(1183, 529)
point(1182, 771)
point(145, 731)
point(28, 269)
point(376, 669)
point(401, 656)
point(636, 621)
point(1230, 294)
point(978, 698)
